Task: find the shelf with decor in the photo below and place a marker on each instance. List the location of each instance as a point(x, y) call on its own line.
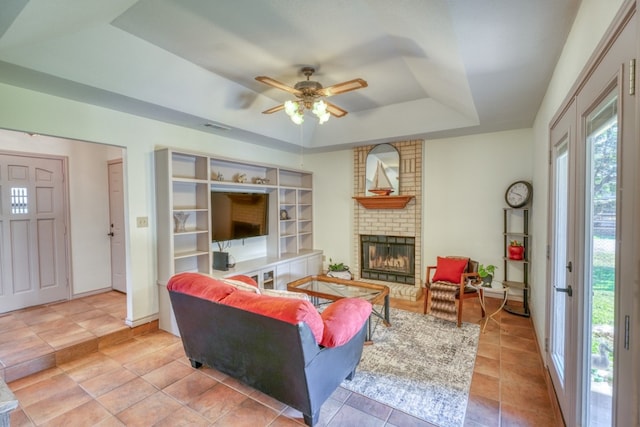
point(182, 197)
point(227, 172)
point(185, 186)
point(516, 255)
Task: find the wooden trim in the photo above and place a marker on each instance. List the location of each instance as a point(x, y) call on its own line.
point(384, 202)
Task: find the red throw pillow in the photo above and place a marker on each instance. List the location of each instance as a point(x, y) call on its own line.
point(288, 310)
point(242, 278)
point(449, 269)
point(343, 319)
point(199, 285)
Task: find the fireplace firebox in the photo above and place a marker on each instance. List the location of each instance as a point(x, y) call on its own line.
point(388, 258)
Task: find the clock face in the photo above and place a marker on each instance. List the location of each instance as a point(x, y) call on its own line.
point(518, 194)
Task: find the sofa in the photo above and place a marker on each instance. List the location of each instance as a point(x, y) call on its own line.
point(277, 344)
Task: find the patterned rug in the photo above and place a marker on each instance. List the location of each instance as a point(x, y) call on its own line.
point(420, 365)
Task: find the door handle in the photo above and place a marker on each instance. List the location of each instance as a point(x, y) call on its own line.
point(110, 234)
point(567, 290)
point(569, 267)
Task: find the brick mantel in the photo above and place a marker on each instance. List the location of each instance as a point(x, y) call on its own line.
point(405, 221)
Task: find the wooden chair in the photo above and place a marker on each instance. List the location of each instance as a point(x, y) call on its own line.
point(446, 289)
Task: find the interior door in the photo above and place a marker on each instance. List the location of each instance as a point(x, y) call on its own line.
point(33, 232)
point(116, 227)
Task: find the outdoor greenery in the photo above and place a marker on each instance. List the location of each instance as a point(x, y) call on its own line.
point(603, 286)
point(603, 282)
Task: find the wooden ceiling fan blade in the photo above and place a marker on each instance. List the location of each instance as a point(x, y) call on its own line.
point(274, 109)
point(278, 85)
point(343, 87)
point(335, 111)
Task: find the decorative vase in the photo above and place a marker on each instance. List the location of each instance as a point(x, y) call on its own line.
point(516, 252)
point(180, 219)
point(486, 280)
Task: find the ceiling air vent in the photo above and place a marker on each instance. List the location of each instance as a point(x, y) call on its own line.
point(216, 126)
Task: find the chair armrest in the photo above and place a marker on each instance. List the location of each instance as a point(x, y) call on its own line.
point(466, 276)
point(427, 281)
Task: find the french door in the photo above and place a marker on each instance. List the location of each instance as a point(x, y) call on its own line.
point(561, 337)
point(591, 244)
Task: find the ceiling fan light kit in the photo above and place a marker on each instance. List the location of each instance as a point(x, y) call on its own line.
point(309, 94)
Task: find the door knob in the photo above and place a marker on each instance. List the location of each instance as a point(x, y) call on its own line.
point(567, 290)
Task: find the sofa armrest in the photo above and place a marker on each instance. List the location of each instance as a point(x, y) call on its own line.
point(343, 319)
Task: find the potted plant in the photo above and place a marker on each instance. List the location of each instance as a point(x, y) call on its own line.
point(486, 273)
point(516, 250)
point(337, 266)
point(339, 270)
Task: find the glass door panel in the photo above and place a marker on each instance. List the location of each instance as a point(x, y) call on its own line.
point(600, 253)
point(559, 299)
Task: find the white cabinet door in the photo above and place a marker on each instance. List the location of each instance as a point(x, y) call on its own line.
point(283, 276)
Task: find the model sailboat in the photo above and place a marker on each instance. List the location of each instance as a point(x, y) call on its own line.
point(381, 184)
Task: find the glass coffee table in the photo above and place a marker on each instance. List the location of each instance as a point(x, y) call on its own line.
point(332, 289)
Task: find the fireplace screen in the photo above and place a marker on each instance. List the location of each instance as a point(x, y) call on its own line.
point(388, 258)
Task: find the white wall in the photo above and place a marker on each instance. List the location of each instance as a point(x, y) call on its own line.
point(465, 180)
point(593, 18)
point(333, 204)
point(26, 110)
point(88, 200)
point(464, 183)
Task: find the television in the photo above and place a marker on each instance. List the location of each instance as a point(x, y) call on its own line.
point(239, 215)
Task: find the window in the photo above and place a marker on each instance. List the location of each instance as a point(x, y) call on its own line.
point(19, 200)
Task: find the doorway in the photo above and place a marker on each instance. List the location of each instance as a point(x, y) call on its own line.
point(117, 227)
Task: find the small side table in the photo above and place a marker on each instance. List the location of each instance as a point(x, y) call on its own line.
point(504, 290)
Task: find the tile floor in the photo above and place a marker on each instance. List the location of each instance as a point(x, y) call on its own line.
point(142, 378)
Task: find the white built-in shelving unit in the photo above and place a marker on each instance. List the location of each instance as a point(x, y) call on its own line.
point(184, 182)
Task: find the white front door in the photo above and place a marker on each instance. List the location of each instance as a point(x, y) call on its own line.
point(33, 254)
point(116, 227)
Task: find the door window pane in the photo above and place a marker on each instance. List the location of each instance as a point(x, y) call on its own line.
point(558, 326)
point(600, 239)
point(19, 200)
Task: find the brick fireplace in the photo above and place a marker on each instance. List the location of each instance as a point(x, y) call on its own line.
point(397, 225)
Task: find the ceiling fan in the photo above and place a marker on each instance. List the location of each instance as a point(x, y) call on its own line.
point(310, 94)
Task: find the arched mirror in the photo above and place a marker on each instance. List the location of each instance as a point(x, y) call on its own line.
point(383, 171)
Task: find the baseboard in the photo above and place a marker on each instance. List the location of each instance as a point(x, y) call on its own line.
point(142, 321)
point(91, 293)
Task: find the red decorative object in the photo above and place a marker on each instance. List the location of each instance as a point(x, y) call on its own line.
point(516, 252)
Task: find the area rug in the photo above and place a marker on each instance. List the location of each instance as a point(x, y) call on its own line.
point(420, 365)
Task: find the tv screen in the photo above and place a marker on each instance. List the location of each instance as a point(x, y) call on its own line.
point(238, 215)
